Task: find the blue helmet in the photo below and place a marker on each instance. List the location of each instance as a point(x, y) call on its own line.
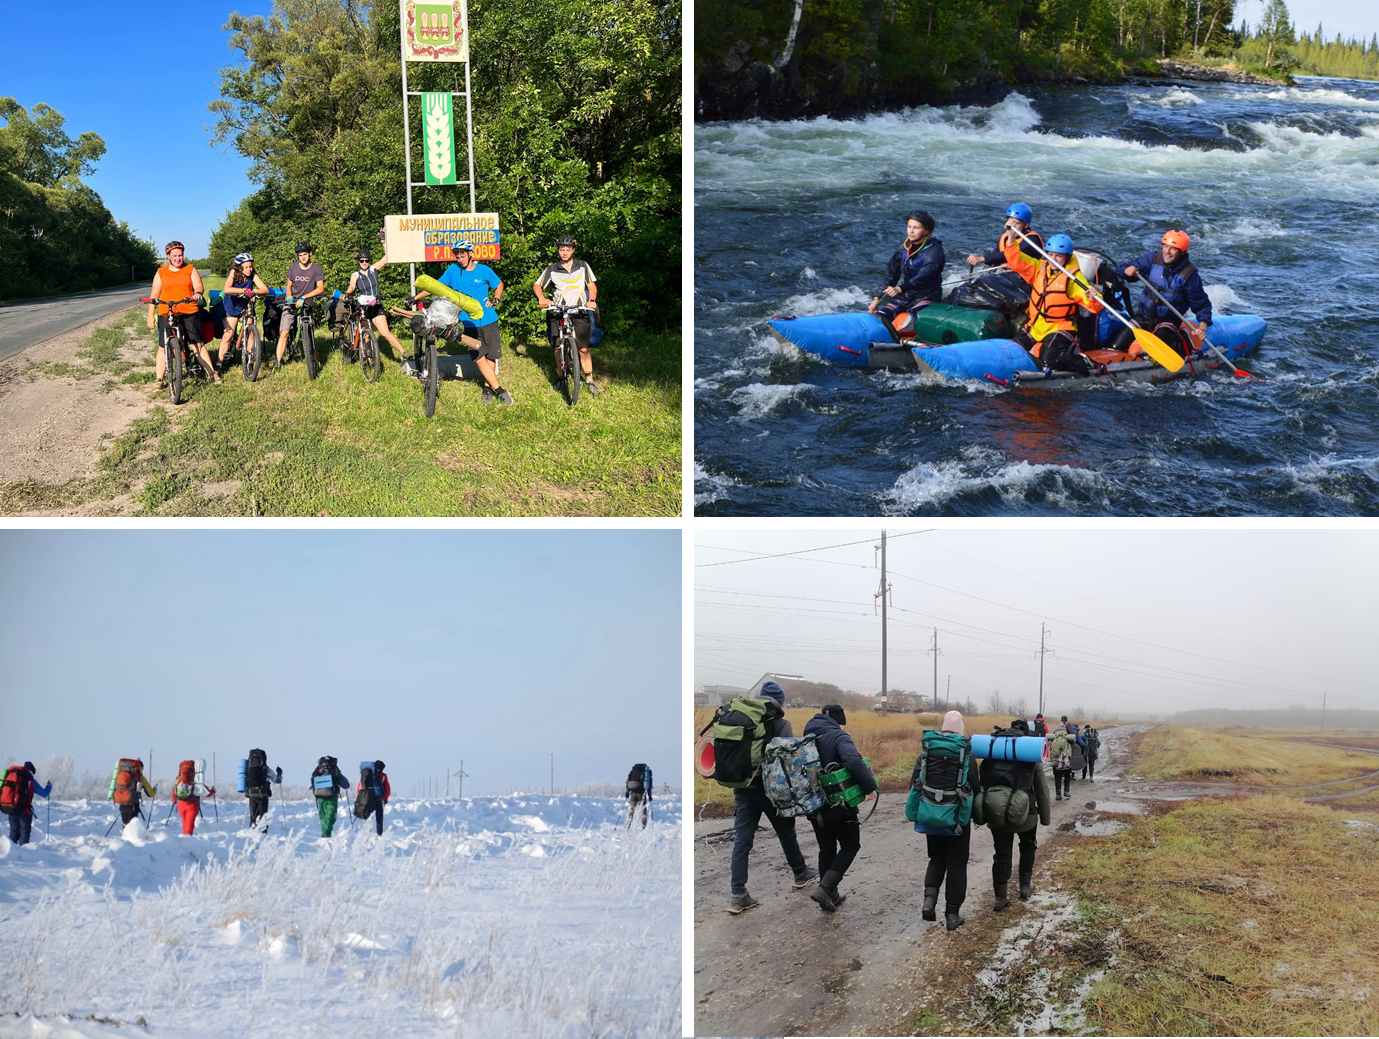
point(1020, 211)
point(1059, 243)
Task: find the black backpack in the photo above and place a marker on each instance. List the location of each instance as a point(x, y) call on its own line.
point(1016, 774)
point(366, 801)
point(256, 775)
point(636, 779)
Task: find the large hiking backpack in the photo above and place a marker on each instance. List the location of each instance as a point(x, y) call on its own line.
point(739, 739)
point(940, 799)
point(790, 770)
point(185, 787)
point(124, 784)
point(636, 780)
point(1016, 774)
point(370, 790)
point(14, 793)
point(256, 775)
point(1008, 789)
point(323, 779)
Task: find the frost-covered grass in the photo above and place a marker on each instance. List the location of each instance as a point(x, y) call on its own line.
point(534, 916)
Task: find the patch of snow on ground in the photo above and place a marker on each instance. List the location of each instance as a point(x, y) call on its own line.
point(454, 922)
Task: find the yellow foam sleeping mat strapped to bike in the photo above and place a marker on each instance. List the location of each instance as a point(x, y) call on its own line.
point(468, 304)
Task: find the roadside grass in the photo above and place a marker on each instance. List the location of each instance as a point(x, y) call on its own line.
point(100, 354)
point(1251, 916)
point(1178, 753)
point(338, 446)
point(890, 742)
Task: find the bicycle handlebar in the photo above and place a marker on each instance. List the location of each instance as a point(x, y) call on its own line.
point(168, 302)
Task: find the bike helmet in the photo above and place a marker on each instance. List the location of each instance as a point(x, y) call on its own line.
point(1059, 243)
point(243, 258)
point(174, 244)
point(1020, 211)
point(922, 217)
point(363, 257)
point(566, 240)
point(302, 247)
point(463, 245)
point(1176, 239)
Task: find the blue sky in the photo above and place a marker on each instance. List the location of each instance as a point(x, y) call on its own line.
point(1357, 18)
point(140, 75)
point(417, 647)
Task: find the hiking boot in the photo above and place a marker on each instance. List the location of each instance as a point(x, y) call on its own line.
point(824, 897)
point(741, 903)
point(1026, 887)
point(1058, 797)
point(838, 897)
point(952, 917)
point(930, 904)
point(594, 391)
point(802, 879)
point(1002, 897)
point(504, 396)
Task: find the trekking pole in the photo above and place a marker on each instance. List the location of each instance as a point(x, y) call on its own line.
point(111, 826)
point(169, 815)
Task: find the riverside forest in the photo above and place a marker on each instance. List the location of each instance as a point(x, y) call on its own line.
point(792, 58)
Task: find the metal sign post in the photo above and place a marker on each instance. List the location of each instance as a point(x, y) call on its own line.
point(434, 31)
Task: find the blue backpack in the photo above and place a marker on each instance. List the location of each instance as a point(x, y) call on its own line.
point(940, 799)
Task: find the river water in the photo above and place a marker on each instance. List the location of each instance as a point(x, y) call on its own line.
point(1278, 188)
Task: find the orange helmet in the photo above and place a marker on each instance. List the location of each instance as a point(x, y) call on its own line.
point(1176, 239)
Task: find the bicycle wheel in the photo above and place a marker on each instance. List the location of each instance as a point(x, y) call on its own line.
point(172, 347)
point(348, 343)
point(309, 347)
point(369, 360)
point(251, 354)
point(571, 369)
point(433, 378)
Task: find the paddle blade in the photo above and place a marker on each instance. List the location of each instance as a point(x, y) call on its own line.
point(1159, 350)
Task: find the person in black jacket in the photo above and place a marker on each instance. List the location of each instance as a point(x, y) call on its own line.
point(915, 274)
point(836, 827)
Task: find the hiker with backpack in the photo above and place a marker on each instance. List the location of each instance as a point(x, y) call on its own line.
point(1093, 740)
point(372, 793)
point(741, 730)
point(17, 799)
point(836, 825)
point(638, 792)
point(256, 781)
point(187, 792)
point(1041, 728)
point(125, 783)
point(941, 803)
point(1061, 756)
point(1014, 800)
point(326, 783)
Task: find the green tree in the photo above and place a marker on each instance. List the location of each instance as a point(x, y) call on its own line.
point(35, 148)
point(1276, 30)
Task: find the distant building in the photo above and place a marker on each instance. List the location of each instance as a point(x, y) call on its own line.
point(716, 695)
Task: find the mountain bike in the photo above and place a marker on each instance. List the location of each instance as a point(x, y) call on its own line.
point(174, 349)
point(423, 343)
point(567, 364)
point(301, 341)
point(249, 342)
point(360, 342)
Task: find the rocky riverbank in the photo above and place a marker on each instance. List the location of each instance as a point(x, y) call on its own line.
point(1172, 69)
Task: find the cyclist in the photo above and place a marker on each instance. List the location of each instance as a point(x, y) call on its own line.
point(178, 280)
point(574, 285)
point(305, 280)
point(475, 279)
point(365, 282)
point(240, 282)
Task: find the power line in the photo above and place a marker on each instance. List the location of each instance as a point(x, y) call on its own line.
point(800, 552)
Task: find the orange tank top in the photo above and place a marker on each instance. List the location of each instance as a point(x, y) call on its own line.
point(176, 284)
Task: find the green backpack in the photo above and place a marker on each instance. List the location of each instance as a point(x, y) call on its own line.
point(739, 739)
point(940, 799)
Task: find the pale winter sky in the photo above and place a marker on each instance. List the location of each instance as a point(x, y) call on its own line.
point(417, 647)
point(1140, 621)
point(1357, 18)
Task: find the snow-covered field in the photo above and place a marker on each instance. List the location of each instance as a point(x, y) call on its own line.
point(498, 916)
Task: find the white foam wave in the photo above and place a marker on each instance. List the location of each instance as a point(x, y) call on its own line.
point(1253, 228)
point(768, 346)
point(825, 301)
point(1320, 96)
point(757, 399)
point(930, 483)
point(714, 486)
point(1222, 297)
point(1177, 97)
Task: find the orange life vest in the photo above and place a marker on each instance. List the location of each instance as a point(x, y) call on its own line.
point(1050, 300)
point(176, 284)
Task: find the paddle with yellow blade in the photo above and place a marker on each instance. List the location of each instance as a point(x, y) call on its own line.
point(1149, 342)
point(1194, 331)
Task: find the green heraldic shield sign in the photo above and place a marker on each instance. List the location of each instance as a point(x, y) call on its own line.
point(438, 135)
point(435, 31)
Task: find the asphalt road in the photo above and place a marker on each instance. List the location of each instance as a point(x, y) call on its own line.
point(24, 324)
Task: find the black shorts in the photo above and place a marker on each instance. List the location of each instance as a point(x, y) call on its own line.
point(491, 345)
point(188, 324)
point(373, 310)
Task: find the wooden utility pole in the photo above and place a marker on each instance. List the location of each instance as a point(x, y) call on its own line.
point(935, 652)
point(882, 594)
point(1041, 667)
point(552, 773)
point(461, 774)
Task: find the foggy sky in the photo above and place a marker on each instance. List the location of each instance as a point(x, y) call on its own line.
point(1148, 621)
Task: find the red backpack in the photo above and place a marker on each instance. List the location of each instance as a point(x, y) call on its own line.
point(14, 794)
point(185, 787)
point(126, 784)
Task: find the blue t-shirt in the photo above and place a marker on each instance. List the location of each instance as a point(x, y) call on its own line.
point(479, 283)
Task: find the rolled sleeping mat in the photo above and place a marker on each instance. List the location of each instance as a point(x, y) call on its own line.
point(703, 756)
point(1011, 748)
point(242, 783)
point(468, 304)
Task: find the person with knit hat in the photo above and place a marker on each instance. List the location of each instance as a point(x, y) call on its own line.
point(948, 856)
point(17, 800)
point(749, 804)
point(836, 827)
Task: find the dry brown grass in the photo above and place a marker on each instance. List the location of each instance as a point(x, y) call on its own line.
point(1241, 917)
point(1254, 757)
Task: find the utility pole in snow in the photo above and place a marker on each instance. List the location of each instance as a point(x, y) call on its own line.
point(461, 773)
point(552, 773)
